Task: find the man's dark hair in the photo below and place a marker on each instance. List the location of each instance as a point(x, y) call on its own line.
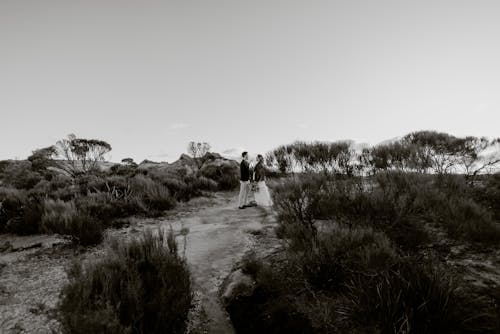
point(243, 154)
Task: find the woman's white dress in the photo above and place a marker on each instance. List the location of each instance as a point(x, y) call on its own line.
point(262, 196)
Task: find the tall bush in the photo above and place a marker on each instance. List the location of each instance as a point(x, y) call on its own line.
point(140, 286)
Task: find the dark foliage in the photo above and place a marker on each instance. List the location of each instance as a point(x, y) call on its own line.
point(139, 287)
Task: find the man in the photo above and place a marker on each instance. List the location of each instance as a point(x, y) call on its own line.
point(244, 181)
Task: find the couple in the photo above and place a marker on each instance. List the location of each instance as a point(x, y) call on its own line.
point(261, 193)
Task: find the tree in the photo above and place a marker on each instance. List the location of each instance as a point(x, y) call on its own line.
point(283, 158)
point(78, 155)
point(478, 155)
point(438, 151)
point(397, 155)
point(198, 150)
point(129, 162)
point(42, 159)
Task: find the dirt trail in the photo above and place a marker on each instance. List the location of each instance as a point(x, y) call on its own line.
point(214, 232)
point(217, 237)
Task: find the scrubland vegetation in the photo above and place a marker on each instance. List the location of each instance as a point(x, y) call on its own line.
point(141, 286)
point(367, 235)
point(64, 189)
point(138, 286)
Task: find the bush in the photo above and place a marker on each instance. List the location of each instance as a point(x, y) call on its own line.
point(298, 200)
point(86, 230)
point(416, 298)
point(269, 308)
point(141, 286)
point(20, 213)
point(467, 220)
point(58, 216)
point(335, 257)
point(19, 174)
point(391, 204)
point(29, 221)
point(64, 218)
point(12, 202)
point(154, 195)
point(226, 175)
point(488, 194)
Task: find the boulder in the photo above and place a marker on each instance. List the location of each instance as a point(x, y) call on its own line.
point(237, 284)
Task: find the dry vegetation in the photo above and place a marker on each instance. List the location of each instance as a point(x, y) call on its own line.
point(142, 286)
point(375, 241)
point(368, 241)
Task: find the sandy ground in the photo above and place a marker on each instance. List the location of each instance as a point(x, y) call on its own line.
point(211, 232)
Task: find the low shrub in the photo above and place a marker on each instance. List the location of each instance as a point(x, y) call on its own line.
point(29, 221)
point(416, 298)
point(335, 257)
point(64, 218)
point(20, 212)
point(141, 286)
point(488, 194)
point(86, 230)
point(20, 175)
point(269, 308)
point(155, 196)
point(12, 202)
point(298, 200)
point(58, 216)
point(226, 174)
point(466, 219)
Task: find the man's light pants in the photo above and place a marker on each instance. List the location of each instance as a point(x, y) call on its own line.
point(244, 190)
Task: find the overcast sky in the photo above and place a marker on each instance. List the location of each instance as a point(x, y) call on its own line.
point(149, 76)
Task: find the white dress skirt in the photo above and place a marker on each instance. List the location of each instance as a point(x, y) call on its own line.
point(262, 196)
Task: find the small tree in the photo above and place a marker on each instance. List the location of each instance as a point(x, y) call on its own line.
point(283, 158)
point(438, 151)
point(478, 155)
point(129, 162)
point(42, 159)
point(78, 155)
point(198, 150)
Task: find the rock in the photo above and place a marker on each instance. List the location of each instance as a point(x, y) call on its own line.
point(237, 284)
point(5, 247)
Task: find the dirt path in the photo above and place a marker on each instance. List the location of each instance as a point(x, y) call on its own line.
point(217, 237)
point(213, 231)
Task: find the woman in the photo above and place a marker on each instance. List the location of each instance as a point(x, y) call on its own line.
point(262, 197)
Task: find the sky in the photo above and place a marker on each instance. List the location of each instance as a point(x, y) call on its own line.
point(150, 76)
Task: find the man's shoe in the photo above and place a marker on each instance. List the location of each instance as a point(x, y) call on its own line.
point(241, 207)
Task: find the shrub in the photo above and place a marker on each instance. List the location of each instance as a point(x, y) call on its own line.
point(19, 212)
point(390, 205)
point(416, 298)
point(298, 200)
point(156, 196)
point(205, 183)
point(86, 230)
point(268, 308)
point(58, 216)
point(64, 218)
point(336, 256)
point(488, 194)
point(29, 221)
point(19, 174)
point(226, 174)
point(105, 207)
point(12, 202)
point(141, 286)
point(467, 220)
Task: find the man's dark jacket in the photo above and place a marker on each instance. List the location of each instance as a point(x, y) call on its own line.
point(245, 171)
